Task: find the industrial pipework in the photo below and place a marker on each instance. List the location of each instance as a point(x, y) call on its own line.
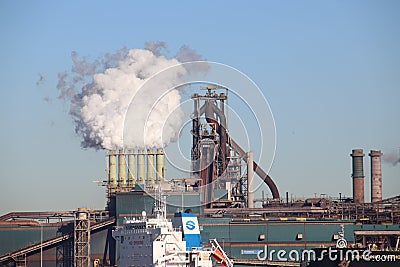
point(215, 155)
point(358, 175)
point(144, 168)
point(376, 175)
point(131, 168)
point(121, 169)
point(112, 169)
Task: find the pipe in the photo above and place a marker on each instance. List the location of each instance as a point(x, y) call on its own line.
point(131, 168)
point(150, 167)
point(207, 170)
point(358, 175)
point(250, 180)
point(112, 161)
point(210, 110)
point(160, 166)
point(376, 175)
point(260, 172)
point(121, 169)
point(141, 167)
point(195, 132)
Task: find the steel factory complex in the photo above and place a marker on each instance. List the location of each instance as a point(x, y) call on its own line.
point(220, 192)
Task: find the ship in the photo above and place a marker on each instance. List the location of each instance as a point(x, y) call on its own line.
point(160, 242)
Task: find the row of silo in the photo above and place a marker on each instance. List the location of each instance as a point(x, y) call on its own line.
point(128, 168)
point(358, 175)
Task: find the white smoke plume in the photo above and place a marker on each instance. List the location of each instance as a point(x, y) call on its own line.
point(392, 158)
point(156, 47)
point(99, 93)
point(186, 54)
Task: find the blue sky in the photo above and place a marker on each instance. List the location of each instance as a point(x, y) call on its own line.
point(329, 69)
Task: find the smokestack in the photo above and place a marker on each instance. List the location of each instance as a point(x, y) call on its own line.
point(121, 169)
point(160, 163)
point(376, 175)
point(131, 168)
point(112, 161)
point(358, 175)
point(250, 179)
point(140, 167)
point(150, 167)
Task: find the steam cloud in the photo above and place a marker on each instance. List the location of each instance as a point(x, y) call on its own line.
point(392, 158)
point(100, 91)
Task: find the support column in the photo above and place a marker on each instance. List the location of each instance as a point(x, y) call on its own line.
point(82, 238)
point(250, 180)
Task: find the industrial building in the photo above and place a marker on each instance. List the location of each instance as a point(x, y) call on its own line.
point(220, 191)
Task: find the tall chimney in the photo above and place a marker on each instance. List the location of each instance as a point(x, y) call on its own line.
point(121, 168)
point(358, 175)
point(150, 167)
point(160, 161)
point(131, 168)
point(141, 167)
point(250, 180)
point(112, 161)
point(376, 175)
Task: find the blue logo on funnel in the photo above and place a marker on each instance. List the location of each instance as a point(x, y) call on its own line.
point(190, 225)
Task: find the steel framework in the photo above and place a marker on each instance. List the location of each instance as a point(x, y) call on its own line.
point(82, 238)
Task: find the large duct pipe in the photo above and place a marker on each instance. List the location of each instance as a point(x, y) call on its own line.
point(260, 172)
point(160, 165)
point(207, 170)
point(112, 168)
point(195, 132)
point(121, 169)
point(150, 167)
point(210, 110)
point(376, 175)
point(250, 180)
point(141, 167)
point(131, 168)
point(358, 175)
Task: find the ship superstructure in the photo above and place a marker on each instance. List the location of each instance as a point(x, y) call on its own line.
point(163, 242)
